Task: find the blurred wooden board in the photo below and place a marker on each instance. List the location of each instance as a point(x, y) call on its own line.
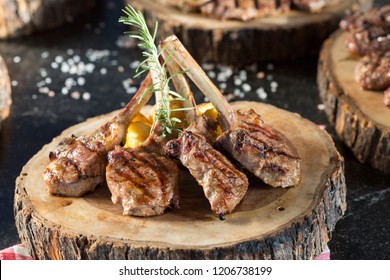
point(359, 116)
point(22, 17)
point(270, 223)
point(5, 91)
point(282, 37)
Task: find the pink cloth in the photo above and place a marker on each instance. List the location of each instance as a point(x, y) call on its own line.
point(17, 252)
point(20, 252)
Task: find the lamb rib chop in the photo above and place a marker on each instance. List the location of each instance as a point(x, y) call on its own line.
point(257, 147)
point(223, 184)
point(143, 179)
point(78, 164)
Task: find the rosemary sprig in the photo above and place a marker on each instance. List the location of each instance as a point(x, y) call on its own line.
point(152, 63)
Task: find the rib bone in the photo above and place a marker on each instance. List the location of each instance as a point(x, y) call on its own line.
point(223, 184)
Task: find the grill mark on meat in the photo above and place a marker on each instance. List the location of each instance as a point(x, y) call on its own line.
point(223, 184)
point(261, 150)
point(143, 181)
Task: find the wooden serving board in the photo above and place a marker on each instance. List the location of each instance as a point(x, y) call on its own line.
point(270, 223)
point(22, 17)
point(5, 91)
point(291, 35)
point(359, 116)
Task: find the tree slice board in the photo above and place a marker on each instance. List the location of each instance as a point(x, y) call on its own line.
point(5, 91)
point(287, 36)
point(359, 116)
point(270, 223)
point(23, 17)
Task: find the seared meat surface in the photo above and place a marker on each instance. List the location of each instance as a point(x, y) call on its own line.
point(373, 71)
point(74, 169)
point(369, 36)
point(77, 165)
point(261, 150)
point(369, 31)
point(223, 184)
point(143, 180)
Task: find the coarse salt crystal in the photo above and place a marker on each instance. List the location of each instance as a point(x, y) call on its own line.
point(44, 90)
point(65, 67)
point(261, 93)
point(81, 81)
point(103, 71)
point(17, 59)
point(211, 74)
point(222, 85)
point(260, 75)
point(86, 96)
point(237, 81)
point(75, 94)
point(58, 59)
point(243, 75)
point(246, 87)
point(44, 55)
point(64, 91)
point(134, 64)
point(43, 72)
point(208, 66)
point(270, 66)
point(321, 107)
point(89, 67)
point(76, 58)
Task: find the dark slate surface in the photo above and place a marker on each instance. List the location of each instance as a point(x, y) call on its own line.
point(37, 116)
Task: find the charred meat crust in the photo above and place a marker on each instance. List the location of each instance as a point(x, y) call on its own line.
point(223, 184)
point(144, 182)
point(74, 165)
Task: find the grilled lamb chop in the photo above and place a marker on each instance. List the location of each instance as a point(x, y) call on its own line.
point(143, 179)
point(262, 151)
point(369, 31)
point(223, 184)
point(78, 164)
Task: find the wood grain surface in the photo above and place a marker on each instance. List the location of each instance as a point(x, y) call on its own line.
point(359, 116)
point(270, 223)
point(24, 17)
